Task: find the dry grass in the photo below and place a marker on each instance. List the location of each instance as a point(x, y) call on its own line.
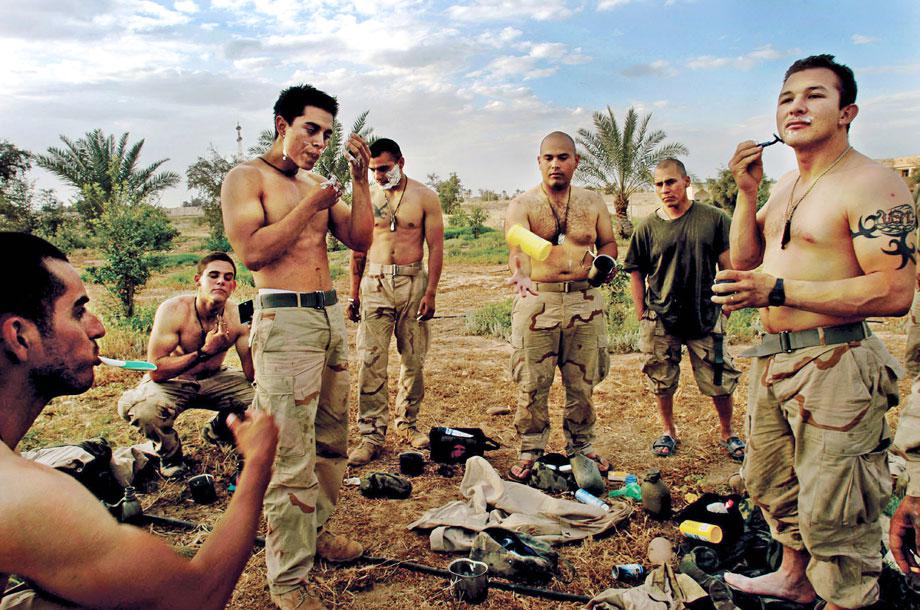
point(465, 376)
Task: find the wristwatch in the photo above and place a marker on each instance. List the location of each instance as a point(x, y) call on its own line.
point(203, 355)
point(778, 294)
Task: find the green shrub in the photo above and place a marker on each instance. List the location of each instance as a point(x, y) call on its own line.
point(169, 261)
point(491, 320)
point(217, 243)
point(488, 249)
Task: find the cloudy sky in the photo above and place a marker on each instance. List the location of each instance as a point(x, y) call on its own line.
point(467, 87)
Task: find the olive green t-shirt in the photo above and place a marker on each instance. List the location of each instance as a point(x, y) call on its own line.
point(678, 258)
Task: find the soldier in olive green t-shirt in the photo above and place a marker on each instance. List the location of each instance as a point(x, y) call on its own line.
point(672, 260)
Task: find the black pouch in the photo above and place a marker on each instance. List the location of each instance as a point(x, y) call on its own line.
point(385, 485)
point(456, 445)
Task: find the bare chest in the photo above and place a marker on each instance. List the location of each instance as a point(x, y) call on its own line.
point(816, 220)
point(397, 211)
point(280, 197)
point(577, 222)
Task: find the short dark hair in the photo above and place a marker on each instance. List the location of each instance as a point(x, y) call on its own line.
point(386, 145)
point(559, 134)
point(32, 288)
point(292, 101)
point(675, 162)
point(215, 256)
point(846, 82)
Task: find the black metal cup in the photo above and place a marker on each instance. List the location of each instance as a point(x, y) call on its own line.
point(202, 489)
point(600, 269)
point(411, 463)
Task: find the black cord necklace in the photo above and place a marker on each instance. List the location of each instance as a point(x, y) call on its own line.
point(290, 173)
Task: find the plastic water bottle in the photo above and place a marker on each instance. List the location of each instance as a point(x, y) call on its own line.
point(630, 490)
point(585, 497)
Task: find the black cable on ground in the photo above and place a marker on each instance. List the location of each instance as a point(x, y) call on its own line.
point(405, 565)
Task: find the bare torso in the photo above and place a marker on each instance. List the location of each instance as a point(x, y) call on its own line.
point(179, 321)
point(305, 266)
point(821, 244)
point(406, 244)
point(568, 261)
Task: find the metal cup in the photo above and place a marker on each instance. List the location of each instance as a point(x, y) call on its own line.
point(202, 488)
point(600, 269)
point(469, 581)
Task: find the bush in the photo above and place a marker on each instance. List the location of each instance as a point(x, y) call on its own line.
point(218, 243)
point(491, 320)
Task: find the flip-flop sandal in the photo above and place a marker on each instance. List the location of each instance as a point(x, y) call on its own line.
point(603, 465)
point(664, 446)
point(734, 447)
point(524, 469)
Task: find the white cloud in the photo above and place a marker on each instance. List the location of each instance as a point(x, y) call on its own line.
point(742, 62)
point(862, 39)
point(498, 10)
point(659, 67)
point(186, 6)
point(606, 5)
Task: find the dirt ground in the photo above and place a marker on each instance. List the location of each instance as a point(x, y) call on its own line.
point(465, 375)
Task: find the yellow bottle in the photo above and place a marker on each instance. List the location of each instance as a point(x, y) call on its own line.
point(532, 244)
point(706, 532)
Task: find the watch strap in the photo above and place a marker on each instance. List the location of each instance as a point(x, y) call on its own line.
point(777, 296)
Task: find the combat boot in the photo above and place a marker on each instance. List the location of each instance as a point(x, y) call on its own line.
point(364, 453)
point(418, 440)
point(337, 548)
point(298, 599)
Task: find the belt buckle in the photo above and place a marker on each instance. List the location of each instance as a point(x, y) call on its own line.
point(320, 300)
point(394, 270)
point(566, 286)
point(784, 343)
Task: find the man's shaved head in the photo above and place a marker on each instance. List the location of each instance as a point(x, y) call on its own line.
point(556, 137)
point(671, 162)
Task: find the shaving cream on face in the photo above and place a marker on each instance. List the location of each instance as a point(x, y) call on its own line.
point(393, 178)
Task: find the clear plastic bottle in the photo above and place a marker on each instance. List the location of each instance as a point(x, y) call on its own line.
point(630, 490)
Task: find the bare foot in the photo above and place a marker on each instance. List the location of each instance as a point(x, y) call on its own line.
point(775, 584)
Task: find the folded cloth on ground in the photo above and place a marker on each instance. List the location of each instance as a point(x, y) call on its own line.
point(494, 502)
point(662, 590)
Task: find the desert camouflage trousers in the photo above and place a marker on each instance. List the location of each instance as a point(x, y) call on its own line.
point(301, 361)
point(389, 305)
point(817, 459)
point(568, 330)
point(152, 407)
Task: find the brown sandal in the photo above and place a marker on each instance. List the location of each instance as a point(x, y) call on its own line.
point(520, 472)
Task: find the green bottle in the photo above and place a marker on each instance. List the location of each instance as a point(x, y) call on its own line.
point(656, 497)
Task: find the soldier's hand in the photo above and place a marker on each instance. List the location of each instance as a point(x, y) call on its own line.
point(735, 290)
point(256, 436)
point(354, 309)
point(217, 339)
point(904, 535)
point(426, 307)
point(359, 157)
point(747, 166)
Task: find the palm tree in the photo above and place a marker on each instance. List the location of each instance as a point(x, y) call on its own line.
point(99, 166)
point(620, 162)
point(266, 139)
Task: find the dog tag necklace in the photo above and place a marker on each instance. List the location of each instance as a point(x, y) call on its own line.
point(393, 211)
point(790, 207)
point(561, 227)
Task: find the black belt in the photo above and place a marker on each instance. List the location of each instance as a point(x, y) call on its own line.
point(316, 300)
point(789, 341)
point(562, 286)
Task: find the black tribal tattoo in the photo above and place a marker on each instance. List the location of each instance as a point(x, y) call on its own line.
point(898, 223)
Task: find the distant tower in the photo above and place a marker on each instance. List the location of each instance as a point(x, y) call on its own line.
point(239, 142)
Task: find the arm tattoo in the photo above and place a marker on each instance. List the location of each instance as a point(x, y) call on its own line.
point(898, 223)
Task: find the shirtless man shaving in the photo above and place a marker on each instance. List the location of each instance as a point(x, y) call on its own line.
point(189, 341)
point(397, 296)
point(836, 245)
point(277, 214)
point(558, 318)
point(56, 535)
